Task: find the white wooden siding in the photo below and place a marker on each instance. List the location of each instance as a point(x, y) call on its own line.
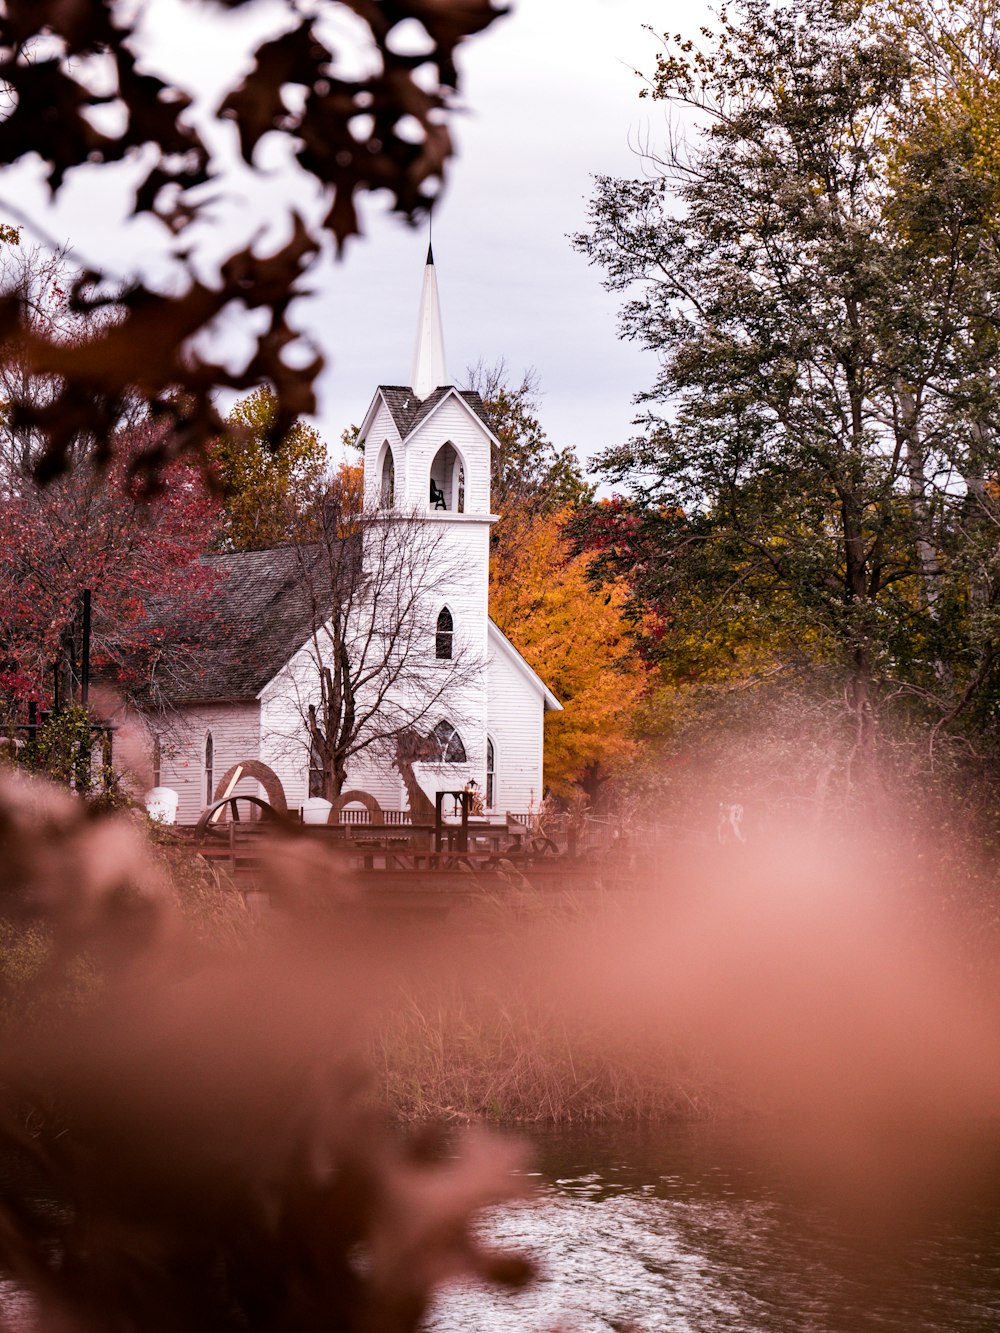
point(383, 428)
point(284, 706)
point(235, 732)
point(515, 722)
point(435, 690)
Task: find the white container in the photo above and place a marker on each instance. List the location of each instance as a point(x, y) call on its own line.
point(161, 804)
point(315, 810)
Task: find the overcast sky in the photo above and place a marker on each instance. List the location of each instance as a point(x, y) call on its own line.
point(552, 99)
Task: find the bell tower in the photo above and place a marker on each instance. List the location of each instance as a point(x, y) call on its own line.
point(428, 449)
point(428, 445)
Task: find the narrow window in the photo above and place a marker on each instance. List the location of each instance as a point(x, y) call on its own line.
point(157, 761)
point(317, 770)
point(445, 635)
point(450, 749)
point(490, 773)
point(209, 761)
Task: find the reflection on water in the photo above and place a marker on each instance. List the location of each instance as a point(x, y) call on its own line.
point(678, 1231)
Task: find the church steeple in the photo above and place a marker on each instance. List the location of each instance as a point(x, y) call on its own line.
point(429, 369)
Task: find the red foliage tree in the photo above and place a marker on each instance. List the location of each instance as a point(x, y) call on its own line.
point(93, 530)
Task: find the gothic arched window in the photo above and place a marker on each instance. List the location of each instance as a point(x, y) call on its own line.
point(157, 760)
point(450, 749)
point(209, 767)
point(491, 773)
point(445, 635)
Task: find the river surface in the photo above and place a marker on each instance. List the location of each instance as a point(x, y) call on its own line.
point(682, 1230)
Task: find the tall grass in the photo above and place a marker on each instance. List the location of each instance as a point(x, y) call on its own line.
point(485, 1041)
point(501, 1056)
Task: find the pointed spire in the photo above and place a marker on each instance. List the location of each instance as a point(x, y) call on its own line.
point(429, 369)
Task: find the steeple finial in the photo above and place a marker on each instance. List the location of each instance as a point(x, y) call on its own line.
point(429, 369)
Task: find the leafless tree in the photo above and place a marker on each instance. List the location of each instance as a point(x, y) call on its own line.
point(378, 669)
point(41, 280)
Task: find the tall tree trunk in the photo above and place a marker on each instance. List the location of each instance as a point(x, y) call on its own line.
point(977, 510)
point(411, 747)
point(921, 511)
point(858, 593)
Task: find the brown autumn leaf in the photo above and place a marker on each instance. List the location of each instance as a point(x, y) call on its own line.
point(145, 349)
point(81, 24)
point(47, 119)
point(258, 104)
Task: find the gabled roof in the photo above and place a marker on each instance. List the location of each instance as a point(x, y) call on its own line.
point(263, 608)
point(496, 638)
point(408, 411)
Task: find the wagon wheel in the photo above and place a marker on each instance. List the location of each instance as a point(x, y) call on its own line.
point(210, 823)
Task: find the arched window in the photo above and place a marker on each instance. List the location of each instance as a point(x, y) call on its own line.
point(387, 483)
point(450, 749)
point(209, 764)
point(157, 760)
point(490, 773)
point(444, 638)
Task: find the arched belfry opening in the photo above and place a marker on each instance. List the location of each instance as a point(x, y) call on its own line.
point(447, 480)
point(387, 478)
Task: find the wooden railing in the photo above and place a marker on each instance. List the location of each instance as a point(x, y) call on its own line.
point(364, 817)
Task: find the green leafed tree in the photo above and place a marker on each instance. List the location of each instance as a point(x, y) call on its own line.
point(818, 274)
point(529, 474)
point(271, 495)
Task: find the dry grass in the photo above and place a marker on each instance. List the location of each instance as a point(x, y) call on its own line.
point(213, 907)
point(505, 1058)
point(489, 1044)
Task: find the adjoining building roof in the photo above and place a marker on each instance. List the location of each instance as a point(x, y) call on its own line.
point(263, 607)
point(497, 638)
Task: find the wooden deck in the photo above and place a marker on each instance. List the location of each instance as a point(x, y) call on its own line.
point(395, 865)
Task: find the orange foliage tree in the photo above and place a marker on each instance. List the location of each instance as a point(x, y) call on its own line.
point(576, 639)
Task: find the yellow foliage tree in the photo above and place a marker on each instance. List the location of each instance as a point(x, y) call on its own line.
point(576, 639)
point(349, 482)
point(271, 495)
point(955, 76)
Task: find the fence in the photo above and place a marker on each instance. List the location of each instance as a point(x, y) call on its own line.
point(363, 816)
point(591, 832)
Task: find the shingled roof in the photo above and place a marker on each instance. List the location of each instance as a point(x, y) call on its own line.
point(408, 411)
point(263, 607)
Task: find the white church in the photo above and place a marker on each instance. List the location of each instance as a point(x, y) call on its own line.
point(245, 694)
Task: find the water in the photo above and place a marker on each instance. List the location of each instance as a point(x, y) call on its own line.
point(682, 1231)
